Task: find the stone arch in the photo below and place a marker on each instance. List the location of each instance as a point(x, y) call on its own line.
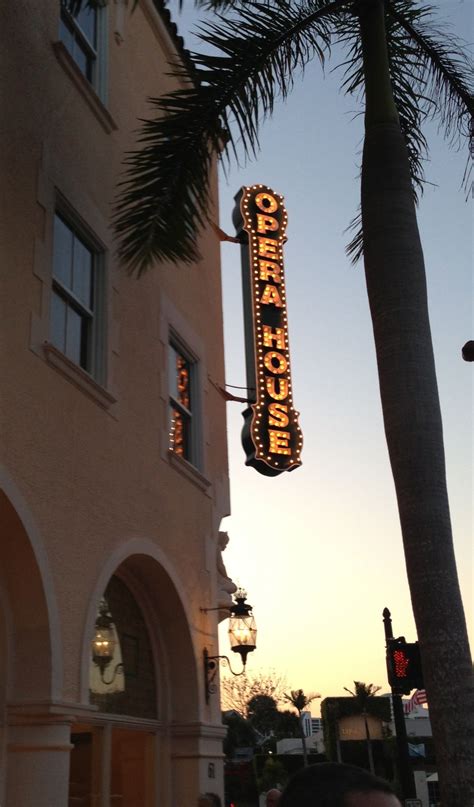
point(154, 584)
point(29, 602)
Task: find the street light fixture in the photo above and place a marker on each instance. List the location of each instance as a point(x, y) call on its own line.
point(242, 637)
point(104, 643)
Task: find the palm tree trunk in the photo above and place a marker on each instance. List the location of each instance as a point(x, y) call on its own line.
point(338, 743)
point(396, 287)
point(303, 741)
point(369, 744)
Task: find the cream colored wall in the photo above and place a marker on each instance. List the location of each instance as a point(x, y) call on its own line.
point(97, 478)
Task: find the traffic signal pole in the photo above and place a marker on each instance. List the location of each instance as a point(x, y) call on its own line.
point(405, 771)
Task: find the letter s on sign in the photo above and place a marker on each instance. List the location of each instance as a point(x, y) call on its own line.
point(277, 415)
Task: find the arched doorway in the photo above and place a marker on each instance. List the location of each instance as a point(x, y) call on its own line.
point(113, 757)
point(145, 743)
point(29, 598)
point(30, 663)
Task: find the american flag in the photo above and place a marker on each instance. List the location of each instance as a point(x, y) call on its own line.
point(417, 699)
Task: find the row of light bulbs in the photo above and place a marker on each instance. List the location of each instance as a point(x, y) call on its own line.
point(275, 203)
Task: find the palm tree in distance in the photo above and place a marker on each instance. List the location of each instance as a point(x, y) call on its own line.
point(364, 693)
point(300, 702)
point(403, 69)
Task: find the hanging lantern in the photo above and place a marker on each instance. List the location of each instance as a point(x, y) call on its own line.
point(242, 637)
point(242, 627)
point(104, 640)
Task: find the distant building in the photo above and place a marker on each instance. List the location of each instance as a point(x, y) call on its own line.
point(316, 724)
point(311, 725)
point(294, 745)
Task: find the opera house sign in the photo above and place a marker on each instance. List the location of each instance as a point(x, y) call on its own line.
point(271, 435)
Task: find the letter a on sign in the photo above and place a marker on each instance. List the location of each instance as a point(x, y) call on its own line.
point(271, 435)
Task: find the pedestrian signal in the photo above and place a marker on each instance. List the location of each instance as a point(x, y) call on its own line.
point(404, 666)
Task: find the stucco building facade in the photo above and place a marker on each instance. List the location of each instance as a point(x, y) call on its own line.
point(113, 456)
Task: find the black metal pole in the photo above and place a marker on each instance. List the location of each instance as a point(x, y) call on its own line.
point(405, 770)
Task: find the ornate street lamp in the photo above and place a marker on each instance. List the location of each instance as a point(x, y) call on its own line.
point(104, 642)
point(242, 637)
point(242, 627)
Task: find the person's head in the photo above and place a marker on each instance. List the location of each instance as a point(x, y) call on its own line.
point(273, 797)
point(333, 784)
point(209, 800)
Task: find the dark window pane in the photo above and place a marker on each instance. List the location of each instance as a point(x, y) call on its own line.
point(87, 21)
point(58, 322)
point(82, 273)
point(66, 36)
point(86, 343)
point(75, 32)
point(73, 335)
point(62, 252)
point(80, 57)
point(72, 295)
point(133, 690)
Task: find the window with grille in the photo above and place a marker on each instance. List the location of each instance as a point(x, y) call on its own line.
point(182, 404)
point(79, 34)
point(83, 33)
point(74, 303)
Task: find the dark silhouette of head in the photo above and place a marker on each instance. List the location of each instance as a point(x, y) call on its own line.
point(468, 351)
point(209, 800)
point(273, 797)
point(332, 784)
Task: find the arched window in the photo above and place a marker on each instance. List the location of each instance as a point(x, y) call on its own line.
point(113, 756)
point(126, 683)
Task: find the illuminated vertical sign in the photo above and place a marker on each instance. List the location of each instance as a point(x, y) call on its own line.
point(271, 435)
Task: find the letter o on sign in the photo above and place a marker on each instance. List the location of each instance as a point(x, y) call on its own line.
point(266, 202)
point(271, 357)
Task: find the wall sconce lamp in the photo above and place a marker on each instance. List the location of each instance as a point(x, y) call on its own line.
point(242, 637)
point(104, 643)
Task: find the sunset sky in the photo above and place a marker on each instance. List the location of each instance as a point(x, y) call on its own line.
point(319, 550)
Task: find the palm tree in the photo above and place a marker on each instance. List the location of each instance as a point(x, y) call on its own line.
point(364, 693)
point(300, 701)
point(404, 70)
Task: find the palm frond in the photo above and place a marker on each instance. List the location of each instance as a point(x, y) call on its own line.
point(445, 70)
point(406, 96)
point(410, 116)
point(355, 247)
point(429, 77)
point(215, 5)
point(222, 5)
point(443, 76)
point(164, 195)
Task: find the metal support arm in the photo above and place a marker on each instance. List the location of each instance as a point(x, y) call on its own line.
point(211, 665)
